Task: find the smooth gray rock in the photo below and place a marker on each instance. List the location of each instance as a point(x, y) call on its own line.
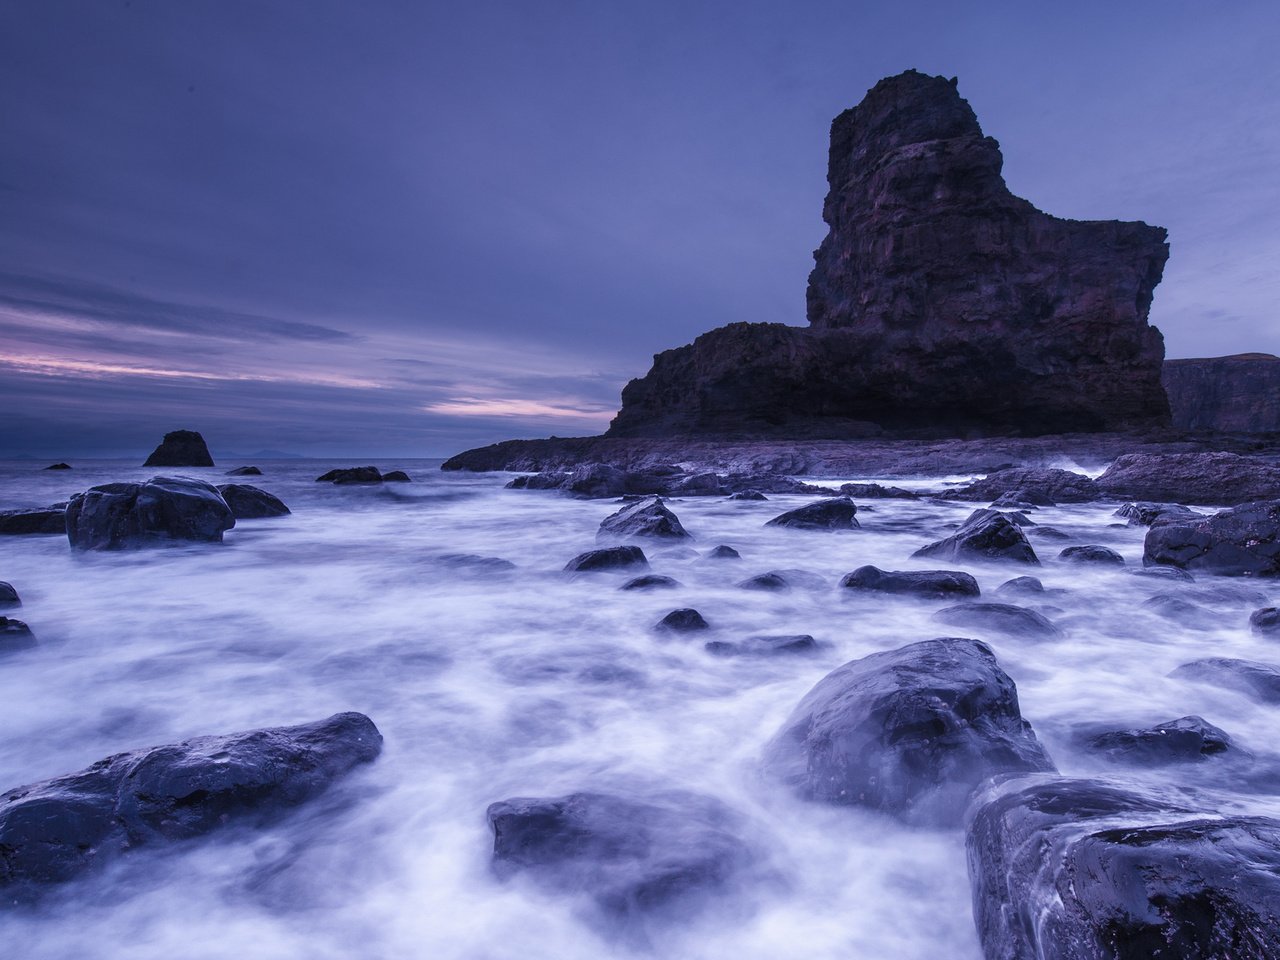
point(932, 584)
point(684, 620)
point(646, 518)
point(1092, 553)
point(162, 510)
point(985, 535)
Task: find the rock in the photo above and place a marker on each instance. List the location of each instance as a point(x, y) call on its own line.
point(538, 481)
point(766, 581)
point(351, 475)
point(765, 646)
point(837, 513)
point(58, 466)
point(632, 856)
point(180, 448)
point(1010, 501)
point(1241, 541)
point(396, 476)
point(1092, 553)
point(1179, 610)
point(1163, 573)
point(748, 495)
point(53, 830)
point(1176, 741)
point(684, 620)
point(597, 480)
point(1147, 514)
point(1049, 533)
point(1236, 394)
point(52, 520)
point(723, 552)
point(14, 636)
point(647, 518)
point(474, 565)
point(610, 558)
point(1020, 518)
point(1001, 617)
point(1021, 587)
point(8, 595)
point(650, 581)
point(1260, 681)
point(1265, 622)
point(909, 732)
point(940, 304)
point(874, 491)
point(933, 584)
point(244, 472)
point(1069, 869)
point(985, 535)
point(1041, 487)
point(251, 503)
point(1224, 478)
point(117, 516)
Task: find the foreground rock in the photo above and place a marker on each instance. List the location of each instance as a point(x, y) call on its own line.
point(1259, 681)
point(985, 535)
point(932, 584)
point(1184, 740)
point(647, 518)
point(8, 595)
point(910, 732)
point(837, 513)
point(14, 636)
point(251, 503)
point(180, 448)
point(1241, 541)
point(54, 830)
point(1079, 869)
point(1038, 487)
point(632, 856)
point(1005, 618)
point(117, 516)
point(27, 522)
point(684, 620)
point(610, 558)
point(1214, 478)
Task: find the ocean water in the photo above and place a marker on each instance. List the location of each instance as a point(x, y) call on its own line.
point(535, 684)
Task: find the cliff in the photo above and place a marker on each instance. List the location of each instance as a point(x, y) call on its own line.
point(1236, 394)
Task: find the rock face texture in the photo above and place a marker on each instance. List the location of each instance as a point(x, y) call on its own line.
point(1180, 478)
point(1243, 541)
point(180, 448)
point(940, 304)
point(119, 516)
point(1236, 394)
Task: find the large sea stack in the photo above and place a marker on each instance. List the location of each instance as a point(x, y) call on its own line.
point(940, 304)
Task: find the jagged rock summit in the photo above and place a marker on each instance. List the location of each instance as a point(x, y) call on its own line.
point(180, 448)
point(939, 305)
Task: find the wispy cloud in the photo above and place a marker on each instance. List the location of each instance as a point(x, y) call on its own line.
point(514, 407)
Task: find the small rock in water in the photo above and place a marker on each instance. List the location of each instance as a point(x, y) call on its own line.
point(1001, 617)
point(475, 565)
point(1260, 681)
point(723, 553)
point(8, 595)
point(1091, 553)
point(647, 518)
point(1021, 587)
point(1265, 621)
point(396, 476)
point(52, 520)
point(1049, 533)
point(765, 581)
point(58, 466)
point(14, 635)
point(933, 584)
point(1176, 741)
point(684, 620)
point(985, 535)
point(180, 448)
point(1175, 608)
point(609, 558)
point(650, 581)
point(748, 495)
point(346, 476)
point(837, 513)
point(251, 503)
point(874, 491)
point(1163, 573)
point(244, 472)
point(1147, 514)
point(763, 646)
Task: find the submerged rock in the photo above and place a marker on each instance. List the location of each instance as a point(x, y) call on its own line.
point(763, 646)
point(8, 595)
point(244, 472)
point(1040, 487)
point(1076, 869)
point(14, 636)
point(1021, 587)
point(647, 518)
point(1146, 514)
point(766, 581)
point(58, 466)
point(910, 732)
point(1191, 478)
point(985, 535)
point(1092, 553)
point(474, 565)
point(180, 448)
point(748, 495)
point(1004, 618)
point(118, 516)
point(1265, 622)
point(396, 476)
point(723, 552)
point(1259, 681)
point(934, 584)
point(1175, 741)
point(251, 503)
point(650, 581)
point(684, 620)
point(52, 520)
point(609, 558)
point(344, 476)
point(53, 830)
point(837, 513)
point(1241, 541)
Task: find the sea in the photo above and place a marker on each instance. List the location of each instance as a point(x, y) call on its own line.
point(534, 683)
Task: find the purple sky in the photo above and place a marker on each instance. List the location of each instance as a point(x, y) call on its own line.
point(341, 228)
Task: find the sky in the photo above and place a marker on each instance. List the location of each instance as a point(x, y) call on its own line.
point(388, 228)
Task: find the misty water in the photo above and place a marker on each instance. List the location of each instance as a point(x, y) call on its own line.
point(489, 686)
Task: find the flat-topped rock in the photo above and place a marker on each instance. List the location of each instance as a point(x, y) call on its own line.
point(180, 448)
point(1211, 478)
point(932, 584)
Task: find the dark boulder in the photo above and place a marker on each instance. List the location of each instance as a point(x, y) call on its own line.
point(1180, 610)
point(1087, 870)
point(763, 646)
point(985, 535)
point(874, 491)
point(933, 584)
point(723, 552)
point(1001, 617)
point(1176, 741)
point(609, 558)
point(244, 472)
point(910, 732)
point(117, 516)
point(1146, 514)
point(537, 481)
point(748, 495)
point(1265, 621)
point(1241, 541)
point(684, 620)
point(1225, 478)
point(181, 448)
point(53, 830)
point(14, 636)
point(1092, 553)
point(1049, 533)
point(251, 503)
point(58, 466)
point(646, 518)
point(1021, 587)
point(1010, 501)
point(650, 581)
point(837, 513)
point(396, 476)
point(1259, 681)
point(1041, 487)
point(52, 520)
point(772, 581)
point(346, 476)
point(598, 481)
point(1163, 573)
point(632, 856)
point(8, 595)
point(474, 565)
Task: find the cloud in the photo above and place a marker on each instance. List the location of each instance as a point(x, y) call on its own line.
point(513, 407)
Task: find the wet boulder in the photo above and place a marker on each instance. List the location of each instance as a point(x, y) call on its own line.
point(650, 581)
point(1021, 587)
point(932, 584)
point(985, 535)
point(609, 558)
point(49, 520)
point(910, 732)
point(874, 491)
point(836, 513)
point(1143, 513)
point(53, 830)
point(748, 495)
point(244, 472)
point(1049, 533)
point(1092, 553)
point(118, 516)
point(633, 856)
point(1038, 486)
point(1006, 618)
point(772, 581)
point(1089, 870)
point(396, 476)
point(1183, 740)
point(646, 518)
point(537, 481)
point(1259, 681)
point(475, 566)
point(684, 620)
point(1265, 622)
point(14, 636)
point(1163, 573)
point(251, 503)
point(180, 448)
point(350, 476)
point(1180, 610)
point(1241, 541)
point(723, 552)
point(598, 481)
point(1226, 478)
point(762, 646)
point(8, 595)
